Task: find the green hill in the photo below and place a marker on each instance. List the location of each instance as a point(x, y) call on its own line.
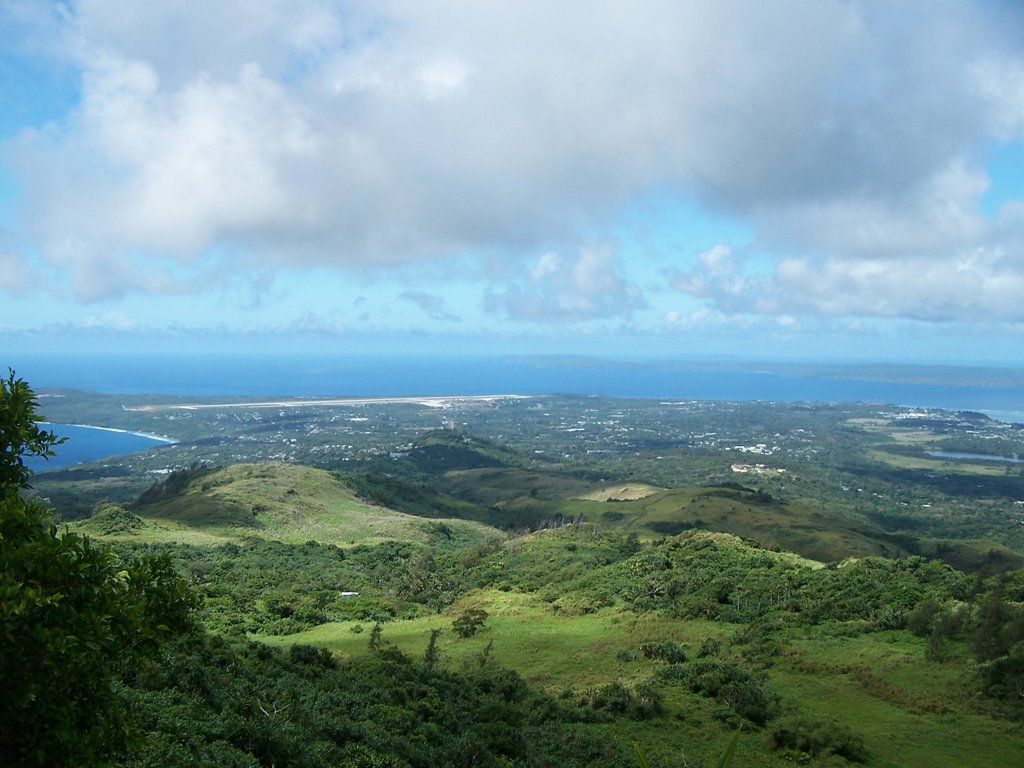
point(809, 530)
point(477, 480)
point(446, 450)
point(283, 502)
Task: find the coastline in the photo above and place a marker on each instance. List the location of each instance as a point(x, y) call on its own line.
point(432, 401)
point(1007, 417)
point(159, 438)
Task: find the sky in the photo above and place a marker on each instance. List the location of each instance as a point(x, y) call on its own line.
point(794, 180)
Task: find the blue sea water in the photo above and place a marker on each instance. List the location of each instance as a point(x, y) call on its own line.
point(85, 443)
point(309, 376)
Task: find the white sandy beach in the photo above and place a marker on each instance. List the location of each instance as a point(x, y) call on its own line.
point(161, 438)
point(430, 402)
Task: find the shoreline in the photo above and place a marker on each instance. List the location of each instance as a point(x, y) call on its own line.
point(1007, 417)
point(159, 438)
point(431, 401)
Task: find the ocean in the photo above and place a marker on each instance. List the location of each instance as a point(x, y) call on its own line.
point(310, 376)
point(86, 443)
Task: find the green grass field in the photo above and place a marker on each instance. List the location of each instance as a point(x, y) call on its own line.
point(910, 712)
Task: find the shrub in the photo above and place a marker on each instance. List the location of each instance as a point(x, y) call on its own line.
point(673, 674)
point(922, 618)
point(310, 654)
point(734, 687)
point(111, 519)
point(667, 651)
point(709, 647)
point(617, 699)
point(819, 738)
point(1003, 678)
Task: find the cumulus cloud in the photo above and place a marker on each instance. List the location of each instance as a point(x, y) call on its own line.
point(849, 133)
point(980, 284)
point(164, 174)
point(929, 256)
point(554, 288)
point(705, 320)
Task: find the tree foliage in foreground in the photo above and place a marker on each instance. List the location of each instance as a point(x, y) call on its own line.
point(20, 435)
point(72, 615)
point(208, 701)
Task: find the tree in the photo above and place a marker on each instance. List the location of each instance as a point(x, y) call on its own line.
point(432, 655)
point(470, 622)
point(72, 615)
point(20, 435)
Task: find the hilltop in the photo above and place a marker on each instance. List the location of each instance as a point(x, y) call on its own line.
point(275, 501)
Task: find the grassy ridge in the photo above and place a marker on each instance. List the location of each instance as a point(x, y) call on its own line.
point(292, 503)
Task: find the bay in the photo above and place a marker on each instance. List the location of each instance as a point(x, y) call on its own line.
point(87, 443)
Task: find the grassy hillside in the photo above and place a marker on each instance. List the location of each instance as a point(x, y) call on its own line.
point(516, 498)
point(282, 502)
point(878, 686)
point(587, 616)
point(449, 600)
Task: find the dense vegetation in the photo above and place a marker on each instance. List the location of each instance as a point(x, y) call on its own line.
point(453, 601)
point(73, 616)
point(211, 702)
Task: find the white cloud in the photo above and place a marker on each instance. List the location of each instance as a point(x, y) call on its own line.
point(848, 133)
point(941, 214)
point(114, 321)
point(554, 288)
point(979, 285)
point(165, 173)
point(1001, 81)
point(313, 323)
point(929, 256)
point(548, 264)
